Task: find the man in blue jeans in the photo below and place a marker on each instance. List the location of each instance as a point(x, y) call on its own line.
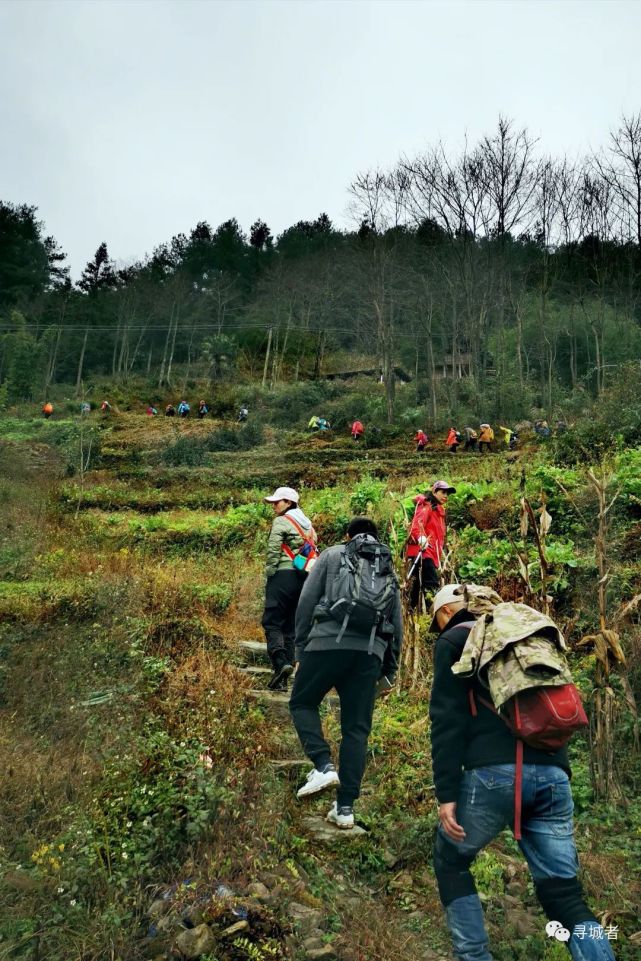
point(473, 760)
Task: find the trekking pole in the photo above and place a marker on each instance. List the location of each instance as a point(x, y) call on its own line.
point(412, 569)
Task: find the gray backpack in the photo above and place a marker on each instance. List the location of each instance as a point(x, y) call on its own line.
point(365, 589)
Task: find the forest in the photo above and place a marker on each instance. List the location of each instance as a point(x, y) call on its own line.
point(495, 272)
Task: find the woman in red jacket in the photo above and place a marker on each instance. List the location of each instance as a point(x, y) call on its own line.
point(420, 440)
point(425, 542)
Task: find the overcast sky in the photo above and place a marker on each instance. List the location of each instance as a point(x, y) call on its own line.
point(131, 120)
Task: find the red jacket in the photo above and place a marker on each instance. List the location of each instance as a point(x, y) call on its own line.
point(421, 437)
point(429, 522)
point(357, 427)
point(452, 438)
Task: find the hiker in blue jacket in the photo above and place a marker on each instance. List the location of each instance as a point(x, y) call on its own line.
point(473, 763)
point(354, 649)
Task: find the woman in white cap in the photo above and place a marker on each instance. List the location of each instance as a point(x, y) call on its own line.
point(290, 548)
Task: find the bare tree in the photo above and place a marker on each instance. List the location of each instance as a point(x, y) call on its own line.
point(622, 172)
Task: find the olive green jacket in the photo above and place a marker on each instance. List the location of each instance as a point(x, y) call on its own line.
point(284, 532)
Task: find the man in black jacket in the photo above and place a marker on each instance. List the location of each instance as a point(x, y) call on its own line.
point(473, 760)
point(354, 666)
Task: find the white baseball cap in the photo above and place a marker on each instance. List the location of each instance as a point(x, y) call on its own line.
point(450, 594)
point(283, 494)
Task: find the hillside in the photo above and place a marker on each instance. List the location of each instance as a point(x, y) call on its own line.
point(150, 777)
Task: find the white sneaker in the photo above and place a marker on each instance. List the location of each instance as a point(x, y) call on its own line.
point(342, 817)
point(318, 781)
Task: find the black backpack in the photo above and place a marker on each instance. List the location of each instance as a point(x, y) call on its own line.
point(365, 589)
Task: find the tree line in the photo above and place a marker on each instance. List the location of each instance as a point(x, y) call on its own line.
point(496, 270)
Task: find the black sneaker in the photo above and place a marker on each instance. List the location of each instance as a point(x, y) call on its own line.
point(281, 673)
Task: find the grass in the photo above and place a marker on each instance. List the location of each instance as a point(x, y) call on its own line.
point(118, 631)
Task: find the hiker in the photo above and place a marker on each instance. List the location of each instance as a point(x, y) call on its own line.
point(471, 437)
point(420, 439)
point(453, 440)
point(357, 430)
point(183, 409)
point(474, 760)
point(170, 410)
point(313, 423)
point(243, 413)
point(486, 438)
point(323, 424)
point(151, 411)
point(105, 407)
point(203, 409)
point(349, 633)
point(291, 551)
point(85, 408)
point(425, 542)
point(561, 427)
point(509, 437)
point(47, 410)
point(542, 429)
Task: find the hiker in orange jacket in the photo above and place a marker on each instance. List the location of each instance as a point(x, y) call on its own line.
point(47, 410)
point(453, 440)
point(486, 438)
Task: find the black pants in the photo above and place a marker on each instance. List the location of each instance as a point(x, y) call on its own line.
point(470, 445)
point(354, 674)
point(424, 580)
point(281, 600)
point(485, 444)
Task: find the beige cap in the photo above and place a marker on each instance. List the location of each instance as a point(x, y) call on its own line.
point(450, 594)
point(283, 494)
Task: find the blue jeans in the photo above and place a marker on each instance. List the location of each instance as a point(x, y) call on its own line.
point(486, 806)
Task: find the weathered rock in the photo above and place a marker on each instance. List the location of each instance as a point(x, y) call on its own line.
point(326, 953)
point(327, 833)
point(402, 882)
point(389, 858)
point(235, 929)
point(158, 908)
point(259, 891)
point(194, 942)
point(305, 917)
point(312, 944)
point(514, 887)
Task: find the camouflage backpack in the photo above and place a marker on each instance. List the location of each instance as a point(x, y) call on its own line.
point(517, 653)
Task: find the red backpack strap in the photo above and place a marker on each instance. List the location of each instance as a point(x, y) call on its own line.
point(306, 537)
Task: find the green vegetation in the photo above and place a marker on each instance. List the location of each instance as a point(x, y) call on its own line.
point(138, 756)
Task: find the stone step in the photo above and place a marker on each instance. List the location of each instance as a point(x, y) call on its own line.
point(328, 833)
point(254, 650)
point(255, 670)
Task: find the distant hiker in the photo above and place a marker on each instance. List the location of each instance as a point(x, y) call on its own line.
point(475, 764)
point(47, 410)
point(291, 552)
point(486, 438)
point(183, 409)
point(105, 407)
point(420, 439)
point(349, 634)
point(471, 438)
point(357, 430)
point(243, 414)
point(151, 411)
point(203, 409)
point(170, 410)
point(85, 408)
point(323, 424)
point(453, 440)
point(313, 423)
point(542, 429)
point(509, 436)
point(561, 427)
point(425, 543)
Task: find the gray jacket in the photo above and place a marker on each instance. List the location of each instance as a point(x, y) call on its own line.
point(317, 631)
